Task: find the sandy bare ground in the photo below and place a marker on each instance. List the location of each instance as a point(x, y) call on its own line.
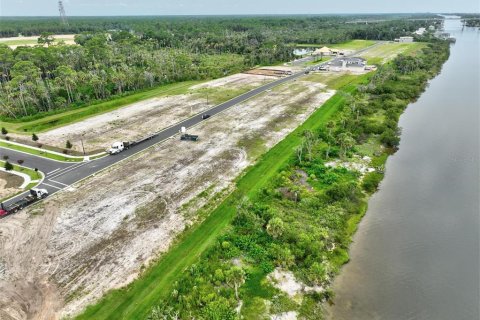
point(69, 250)
point(145, 117)
point(9, 184)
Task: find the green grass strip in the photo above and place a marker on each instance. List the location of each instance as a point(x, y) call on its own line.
point(35, 152)
point(136, 300)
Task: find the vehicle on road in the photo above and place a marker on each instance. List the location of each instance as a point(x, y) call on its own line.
point(205, 116)
point(34, 196)
point(120, 146)
point(188, 137)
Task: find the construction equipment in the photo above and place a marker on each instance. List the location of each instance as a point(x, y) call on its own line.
point(34, 196)
point(187, 137)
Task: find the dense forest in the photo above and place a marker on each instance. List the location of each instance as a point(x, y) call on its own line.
point(303, 221)
point(115, 56)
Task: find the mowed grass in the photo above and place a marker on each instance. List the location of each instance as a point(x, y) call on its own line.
point(39, 153)
point(349, 45)
point(57, 120)
point(331, 80)
point(387, 51)
point(34, 175)
point(353, 45)
point(32, 41)
point(136, 300)
point(217, 95)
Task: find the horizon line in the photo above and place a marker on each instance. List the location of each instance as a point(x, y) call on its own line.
point(236, 14)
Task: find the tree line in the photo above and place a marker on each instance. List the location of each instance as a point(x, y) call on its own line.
point(115, 56)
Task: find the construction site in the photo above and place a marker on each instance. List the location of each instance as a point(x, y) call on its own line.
point(68, 250)
point(71, 246)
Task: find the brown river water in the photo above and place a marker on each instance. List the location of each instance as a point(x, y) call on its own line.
point(416, 253)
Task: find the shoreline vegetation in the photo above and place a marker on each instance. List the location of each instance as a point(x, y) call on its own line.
point(293, 212)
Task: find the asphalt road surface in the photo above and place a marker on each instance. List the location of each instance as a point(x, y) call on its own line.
point(61, 175)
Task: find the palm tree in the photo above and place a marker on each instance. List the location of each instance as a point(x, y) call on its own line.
point(346, 142)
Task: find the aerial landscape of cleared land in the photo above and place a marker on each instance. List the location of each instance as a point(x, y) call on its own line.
point(246, 212)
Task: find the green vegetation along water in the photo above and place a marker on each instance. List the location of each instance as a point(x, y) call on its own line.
point(416, 254)
point(295, 210)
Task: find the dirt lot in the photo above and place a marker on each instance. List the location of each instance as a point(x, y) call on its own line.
point(69, 250)
point(269, 72)
point(9, 184)
point(142, 118)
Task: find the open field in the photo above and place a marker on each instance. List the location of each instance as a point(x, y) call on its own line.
point(142, 118)
point(389, 50)
point(349, 45)
point(32, 41)
point(72, 246)
point(334, 80)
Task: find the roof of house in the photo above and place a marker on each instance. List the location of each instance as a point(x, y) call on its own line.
point(350, 62)
point(323, 50)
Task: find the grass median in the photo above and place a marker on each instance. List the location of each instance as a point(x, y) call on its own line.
point(39, 153)
point(136, 300)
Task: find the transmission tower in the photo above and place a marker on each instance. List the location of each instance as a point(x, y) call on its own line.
point(63, 16)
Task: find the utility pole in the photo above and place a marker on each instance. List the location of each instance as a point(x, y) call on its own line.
point(63, 16)
point(81, 140)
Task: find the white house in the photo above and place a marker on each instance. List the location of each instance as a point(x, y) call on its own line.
point(405, 39)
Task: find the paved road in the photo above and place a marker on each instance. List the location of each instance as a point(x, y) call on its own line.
point(60, 175)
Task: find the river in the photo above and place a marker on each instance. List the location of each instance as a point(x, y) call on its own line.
point(416, 252)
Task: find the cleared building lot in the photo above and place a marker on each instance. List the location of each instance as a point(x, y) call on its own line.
point(145, 117)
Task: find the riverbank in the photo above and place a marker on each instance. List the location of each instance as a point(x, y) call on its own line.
point(291, 183)
point(416, 253)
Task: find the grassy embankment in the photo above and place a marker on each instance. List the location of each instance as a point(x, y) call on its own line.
point(136, 300)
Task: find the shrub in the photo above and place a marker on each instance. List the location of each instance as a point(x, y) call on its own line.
point(371, 181)
point(390, 139)
point(8, 166)
point(34, 137)
point(4, 131)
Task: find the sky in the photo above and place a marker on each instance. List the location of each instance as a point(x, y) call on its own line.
point(220, 7)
